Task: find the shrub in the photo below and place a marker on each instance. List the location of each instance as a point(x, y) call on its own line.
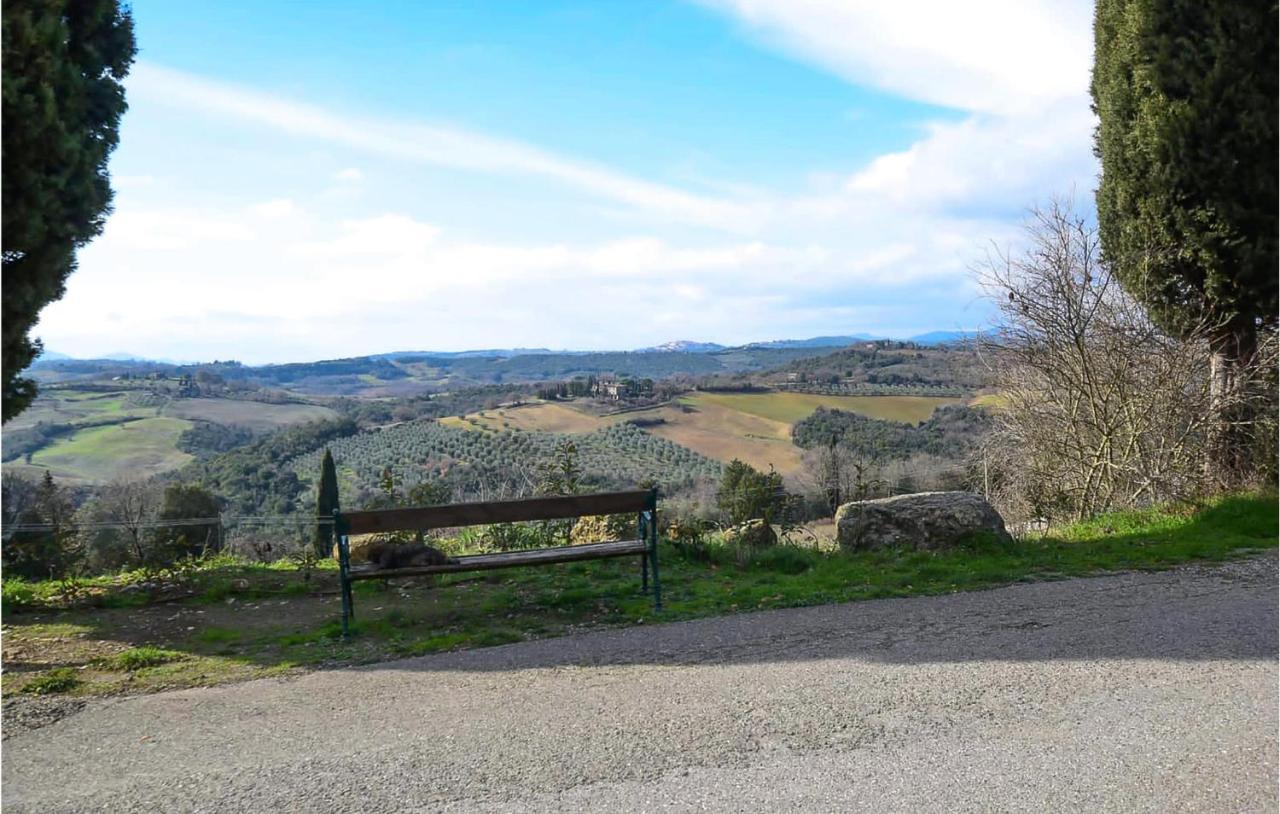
point(16, 593)
point(690, 538)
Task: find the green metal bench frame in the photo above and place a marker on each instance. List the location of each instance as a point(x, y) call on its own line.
point(644, 502)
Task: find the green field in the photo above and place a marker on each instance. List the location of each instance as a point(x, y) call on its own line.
point(138, 449)
point(74, 407)
point(142, 447)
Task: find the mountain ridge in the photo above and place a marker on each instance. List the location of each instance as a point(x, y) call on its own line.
point(929, 338)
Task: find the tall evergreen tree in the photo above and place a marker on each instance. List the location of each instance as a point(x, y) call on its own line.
point(62, 102)
point(1186, 97)
point(326, 502)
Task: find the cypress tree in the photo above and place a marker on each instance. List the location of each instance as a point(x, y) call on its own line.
point(326, 502)
point(63, 98)
point(1186, 96)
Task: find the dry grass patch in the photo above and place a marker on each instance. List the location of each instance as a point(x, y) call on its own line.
point(535, 417)
point(792, 407)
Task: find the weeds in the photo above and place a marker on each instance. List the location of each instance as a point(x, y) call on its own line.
point(141, 657)
point(57, 680)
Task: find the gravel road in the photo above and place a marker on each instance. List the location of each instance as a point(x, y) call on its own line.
point(1136, 692)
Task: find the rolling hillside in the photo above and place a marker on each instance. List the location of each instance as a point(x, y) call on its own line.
point(752, 427)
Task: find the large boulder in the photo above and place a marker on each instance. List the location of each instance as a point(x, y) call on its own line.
point(752, 535)
point(929, 520)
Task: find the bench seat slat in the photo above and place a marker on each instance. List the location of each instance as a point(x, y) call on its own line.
point(512, 559)
point(503, 511)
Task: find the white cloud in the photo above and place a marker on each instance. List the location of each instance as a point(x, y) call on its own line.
point(171, 230)
point(1019, 67)
point(277, 208)
point(350, 174)
point(985, 159)
point(996, 56)
point(370, 284)
point(442, 146)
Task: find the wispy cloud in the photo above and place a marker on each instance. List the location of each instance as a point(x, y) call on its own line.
point(1019, 68)
point(442, 146)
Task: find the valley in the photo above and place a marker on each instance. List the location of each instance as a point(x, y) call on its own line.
point(473, 424)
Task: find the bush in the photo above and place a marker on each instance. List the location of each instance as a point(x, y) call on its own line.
point(514, 537)
point(16, 593)
point(749, 494)
point(690, 539)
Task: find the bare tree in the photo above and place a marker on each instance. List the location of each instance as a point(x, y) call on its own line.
point(1099, 409)
point(134, 505)
point(835, 474)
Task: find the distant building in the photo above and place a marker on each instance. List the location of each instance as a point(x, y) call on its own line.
point(611, 389)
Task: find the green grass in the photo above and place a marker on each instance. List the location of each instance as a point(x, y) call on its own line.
point(197, 642)
point(57, 680)
point(139, 658)
point(138, 448)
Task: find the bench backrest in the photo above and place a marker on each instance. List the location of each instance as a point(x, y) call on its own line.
point(503, 511)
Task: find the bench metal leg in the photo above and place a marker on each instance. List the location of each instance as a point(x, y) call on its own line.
point(644, 573)
point(657, 585)
point(651, 536)
point(344, 576)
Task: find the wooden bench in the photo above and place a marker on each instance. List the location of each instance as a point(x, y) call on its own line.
point(644, 502)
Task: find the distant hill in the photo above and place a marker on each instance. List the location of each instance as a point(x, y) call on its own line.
point(405, 373)
point(487, 353)
point(817, 342)
point(684, 346)
point(944, 337)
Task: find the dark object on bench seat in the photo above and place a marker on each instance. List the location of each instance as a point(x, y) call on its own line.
point(643, 502)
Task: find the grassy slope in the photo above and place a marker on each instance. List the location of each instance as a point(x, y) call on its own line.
point(255, 415)
point(792, 407)
point(544, 416)
point(724, 433)
point(276, 625)
point(73, 406)
point(753, 427)
point(138, 449)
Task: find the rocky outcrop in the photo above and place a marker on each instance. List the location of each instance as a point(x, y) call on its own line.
point(752, 535)
point(929, 520)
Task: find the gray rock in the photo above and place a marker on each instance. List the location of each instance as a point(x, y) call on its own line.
point(752, 535)
point(929, 520)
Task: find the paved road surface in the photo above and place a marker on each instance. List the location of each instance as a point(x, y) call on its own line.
point(1138, 692)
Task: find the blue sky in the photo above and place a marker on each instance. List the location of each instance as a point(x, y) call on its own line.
point(312, 180)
